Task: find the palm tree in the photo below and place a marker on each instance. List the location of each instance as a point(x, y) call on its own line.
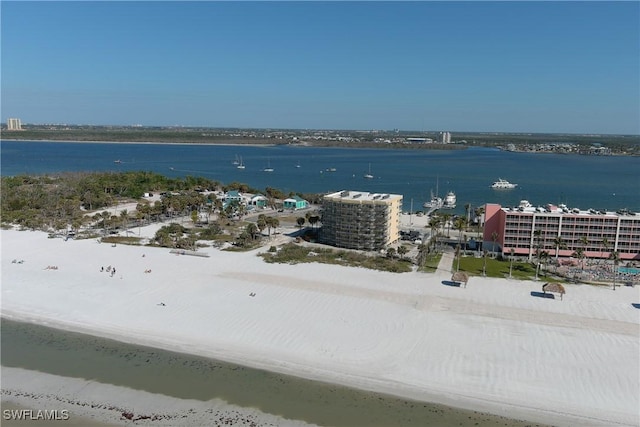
point(467, 208)
point(402, 251)
point(537, 234)
point(445, 219)
point(544, 257)
point(511, 253)
point(460, 224)
point(605, 246)
point(494, 237)
point(615, 257)
point(252, 230)
point(391, 253)
point(313, 220)
point(300, 221)
point(241, 210)
point(479, 211)
point(559, 243)
point(484, 263)
point(584, 241)
point(579, 253)
point(261, 223)
point(434, 224)
point(423, 250)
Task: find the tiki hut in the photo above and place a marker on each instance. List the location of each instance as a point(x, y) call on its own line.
point(553, 287)
point(460, 276)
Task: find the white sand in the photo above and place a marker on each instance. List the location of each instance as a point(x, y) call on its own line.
point(490, 347)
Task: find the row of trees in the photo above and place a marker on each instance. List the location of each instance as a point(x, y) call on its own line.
point(62, 201)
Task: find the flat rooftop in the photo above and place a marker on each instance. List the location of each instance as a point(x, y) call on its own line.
point(362, 196)
point(526, 207)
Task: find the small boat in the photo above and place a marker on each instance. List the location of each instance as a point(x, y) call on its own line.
point(241, 165)
point(449, 201)
point(503, 184)
point(117, 161)
point(435, 202)
point(298, 165)
point(268, 168)
point(237, 160)
point(331, 169)
point(368, 175)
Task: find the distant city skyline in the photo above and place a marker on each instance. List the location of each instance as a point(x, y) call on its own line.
point(512, 67)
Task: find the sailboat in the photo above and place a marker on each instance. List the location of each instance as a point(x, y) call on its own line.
point(237, 160)
point(368, 175)
point(268, 168)
point(241, 165)
point(436, 202)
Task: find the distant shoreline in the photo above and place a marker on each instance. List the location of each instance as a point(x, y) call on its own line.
point(142, 142)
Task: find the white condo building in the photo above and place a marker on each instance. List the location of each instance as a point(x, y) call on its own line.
point(14, 124)
point(446, 137)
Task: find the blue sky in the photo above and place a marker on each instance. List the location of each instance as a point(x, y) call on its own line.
point(461, 66)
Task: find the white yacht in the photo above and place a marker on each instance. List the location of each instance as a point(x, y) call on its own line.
point(503, 184)
point(449, 201)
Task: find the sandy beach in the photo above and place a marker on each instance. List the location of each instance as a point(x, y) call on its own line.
point(491, 346)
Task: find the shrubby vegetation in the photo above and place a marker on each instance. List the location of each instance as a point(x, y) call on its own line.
point(65, 200)
point(292, 253)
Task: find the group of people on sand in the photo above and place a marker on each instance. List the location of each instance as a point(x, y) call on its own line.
point(51, 267)
point(109, 269)
point(15, 261)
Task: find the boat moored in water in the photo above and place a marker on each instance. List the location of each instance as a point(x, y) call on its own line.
point(450, 201)
point(435, 202)
point(503, 184)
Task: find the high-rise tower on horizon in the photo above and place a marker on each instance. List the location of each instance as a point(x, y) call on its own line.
point(14, 124)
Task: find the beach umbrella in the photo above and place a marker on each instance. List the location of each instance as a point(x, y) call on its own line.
point(553, 287)
point(460, 276)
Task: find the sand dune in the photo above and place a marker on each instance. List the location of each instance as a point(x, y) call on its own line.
point(490, 347)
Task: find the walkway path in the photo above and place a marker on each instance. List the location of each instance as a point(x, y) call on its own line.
point(446, 262)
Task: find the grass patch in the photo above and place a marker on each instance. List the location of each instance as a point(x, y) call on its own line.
point(431, 262)
point(296, 254)
point(122, 240)
point(496, 268)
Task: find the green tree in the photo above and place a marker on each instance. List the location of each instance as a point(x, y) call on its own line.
point(511, 254)
point(605, 246)
point(537, 235)
point(559, 243)
point(494, 238)
point(615, 257)
point(434, 224)
point(402, 251)
point(261, 223)
point(300, 221)
point(252, 229)
point(313, 220)
point(446, 222)
point(391, 252)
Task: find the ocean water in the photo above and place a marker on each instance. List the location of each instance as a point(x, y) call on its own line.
point(599, 182)
point(68, 354)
